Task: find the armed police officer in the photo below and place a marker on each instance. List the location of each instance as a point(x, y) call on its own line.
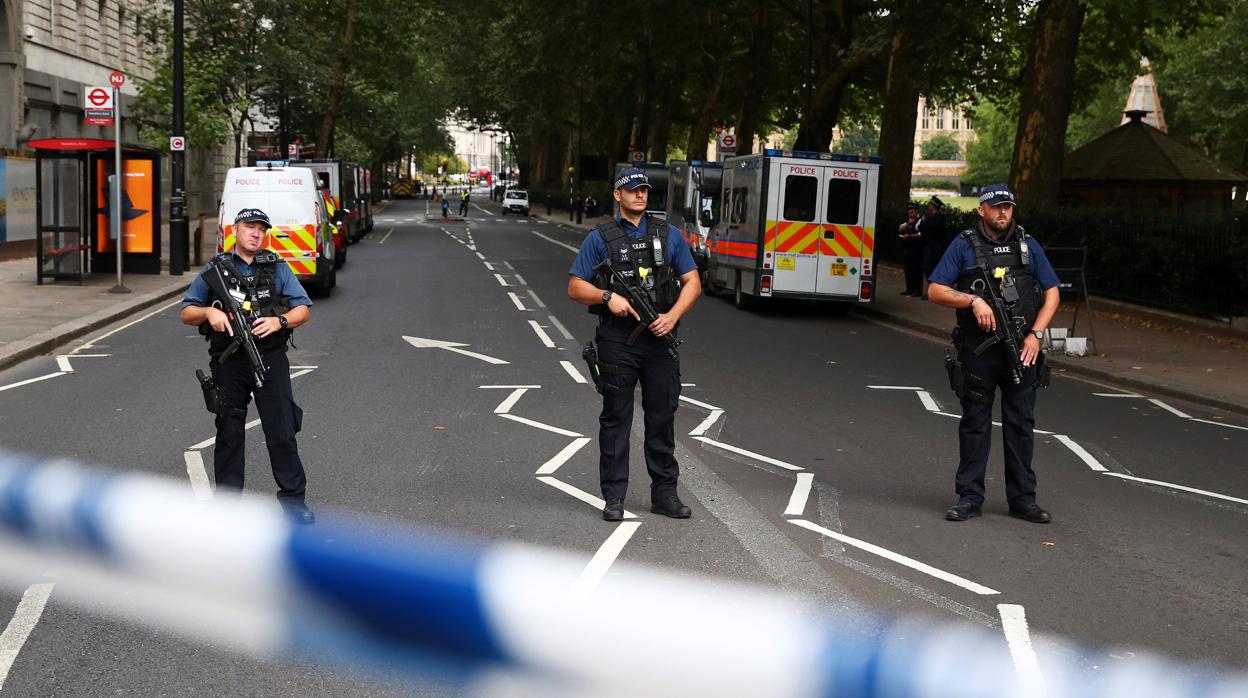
point(1006, 293)
point(275, 303)
point(653, 259)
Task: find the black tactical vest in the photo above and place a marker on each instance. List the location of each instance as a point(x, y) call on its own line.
point(642, 262)
point(1010, 253)
point(261, 291)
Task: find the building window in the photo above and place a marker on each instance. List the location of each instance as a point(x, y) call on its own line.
point(940, 119)
point(954, 114)
point(927, 117)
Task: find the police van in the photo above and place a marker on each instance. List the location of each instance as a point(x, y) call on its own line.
point(795, 225)
point(343, 182)
point(301, 233)
point(693, 192)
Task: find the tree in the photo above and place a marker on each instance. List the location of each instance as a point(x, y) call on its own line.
point(988, 157)
point(859, 139)
point(847, 39)
point(942, 146)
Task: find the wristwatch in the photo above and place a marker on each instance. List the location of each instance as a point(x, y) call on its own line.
point(606, 296)
point(282, 319)
point(1038, 334)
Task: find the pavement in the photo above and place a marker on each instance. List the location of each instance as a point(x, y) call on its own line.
point(1137, 348)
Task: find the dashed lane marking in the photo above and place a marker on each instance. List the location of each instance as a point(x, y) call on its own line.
point(559, 326)
point(576, 375)
point(516, 300)
point(541, 334)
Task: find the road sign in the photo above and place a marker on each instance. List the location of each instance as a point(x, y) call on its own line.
point(116, 78)
point(292, 151)
point(97, 105)
point(636, 156)
point(177, 143)
point(728, 142)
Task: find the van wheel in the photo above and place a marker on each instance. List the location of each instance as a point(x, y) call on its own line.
point(333, 281)
point(740, 298)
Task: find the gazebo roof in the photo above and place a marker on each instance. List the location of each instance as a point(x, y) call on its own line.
point(1137, 152)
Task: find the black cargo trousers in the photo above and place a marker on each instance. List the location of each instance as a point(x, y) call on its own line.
point(280, 418)
point(623, 367)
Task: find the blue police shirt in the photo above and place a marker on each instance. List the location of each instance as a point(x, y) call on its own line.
point(959, 261)
point(594, 250)
point(287, 283)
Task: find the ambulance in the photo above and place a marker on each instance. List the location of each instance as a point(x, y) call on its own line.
point(342, 178)
point(693, 191)
point(795, 225)
point(301, 234)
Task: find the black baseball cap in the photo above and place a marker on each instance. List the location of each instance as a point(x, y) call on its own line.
point(630, 179)
point(996, 194)
point(253, 214)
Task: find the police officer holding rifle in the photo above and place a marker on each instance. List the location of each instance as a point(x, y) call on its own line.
point(1006, 293)
point(246, 302)
point(640, 257)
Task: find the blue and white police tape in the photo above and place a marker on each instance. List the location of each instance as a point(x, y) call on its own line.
point(492, 618)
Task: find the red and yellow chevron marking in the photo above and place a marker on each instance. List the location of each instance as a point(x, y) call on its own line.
point(786, 236)
point(298, 239)
point(747, 250)
point(844, 241)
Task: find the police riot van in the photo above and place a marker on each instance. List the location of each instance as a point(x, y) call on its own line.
point(341, 179)
point(796, 225)
point(300, 234)
point(693, 191)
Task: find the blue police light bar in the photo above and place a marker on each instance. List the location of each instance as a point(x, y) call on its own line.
point(271, 163)
point(705, 163)
point(835, 157)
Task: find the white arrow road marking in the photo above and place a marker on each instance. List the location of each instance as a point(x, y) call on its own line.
point(897, 557)
point(556, 461)
point(62, 360)
point(505, 406)
point(707, 423)
point(25, 618)
point(28, 381)
point(421, 343)
point(1080, 451)
point(539, 425)
point(579, 494)
point(748, 454)
point(801, 492)
point(607, 553)
point(1027, 667)
point(1168, 408)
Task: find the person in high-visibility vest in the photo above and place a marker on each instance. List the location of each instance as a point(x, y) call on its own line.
point(463, 204)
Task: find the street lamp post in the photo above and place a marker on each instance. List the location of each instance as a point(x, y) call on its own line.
point(178, 237)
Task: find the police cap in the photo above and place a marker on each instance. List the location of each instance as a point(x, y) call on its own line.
point(253, 214)
point(630, 179)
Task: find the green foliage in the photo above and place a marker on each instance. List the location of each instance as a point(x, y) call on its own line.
point(1102, 114)
point(859, 139)
point(942, 146)
point(988, 158)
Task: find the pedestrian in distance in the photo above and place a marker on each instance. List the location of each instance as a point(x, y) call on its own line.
point(912, 251)
point(1005, 291)
point(275, 303)
point(931, 227)
point(446, 206)
point(591, 206)
point(655, 262)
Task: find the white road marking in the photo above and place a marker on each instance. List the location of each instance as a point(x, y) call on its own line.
point(385, 237)
point(556, 461)
point(1026, 666)
point(480, 256)
point(489, 266)
point(198, 474)
point(539, 425)
point(801, 492)
point(521, 280)
point(898, 558)
point(63, 362)
point(707, 423)
point(516, 299)
point(1117, 395)
point(580, 494)
point(607, 553)
point(572, 371)
point(1219, 424)
point(703, 405)
point(505, 406)
point(507, 387)
point(928, 402)
point(28, 381)
point(748, 454)
point(25, 618)
point(688, 385)
point(894, 387)
point(501, 280)
point(1184, 488)
point(541, 334)
point(559, 326)
point(564, 245)
point(422, 343)
point(302, 372)
point(508, 265)
point(1080, 451)
point(110, 333)
point(536, 300)
point(1168, 408)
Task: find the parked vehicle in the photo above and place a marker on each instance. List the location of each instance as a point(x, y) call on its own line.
point(516, 201)
point(342, 180)
point(795, 224)
point(693, 193)
point(301, 233)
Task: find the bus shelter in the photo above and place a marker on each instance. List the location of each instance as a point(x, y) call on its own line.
point(73, 211)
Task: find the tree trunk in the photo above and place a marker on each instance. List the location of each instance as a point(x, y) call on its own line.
point(337, 84)
point(700, 129)
point(1044, 104)
point(901, 104)
point(835, 67)
point(758, 63)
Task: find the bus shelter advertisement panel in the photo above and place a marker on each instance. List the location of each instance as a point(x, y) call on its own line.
point(138, 194)
point(17, 199)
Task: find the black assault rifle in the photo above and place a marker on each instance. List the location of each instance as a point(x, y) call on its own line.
point(239, 322)
point(1006, 332)
point(641, 303)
